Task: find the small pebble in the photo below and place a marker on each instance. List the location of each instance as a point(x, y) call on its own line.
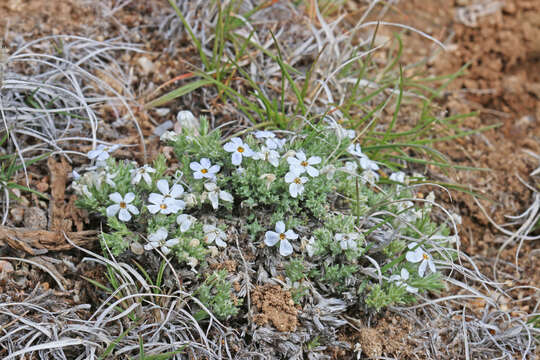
point(163, 112)
point(17, 215)
point(146, 65)
point(35, 218)
point(137, 248)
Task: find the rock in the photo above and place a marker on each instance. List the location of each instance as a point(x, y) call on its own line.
point(137, 248)
point(17, 215)
point(35, 218)
point(146, 65)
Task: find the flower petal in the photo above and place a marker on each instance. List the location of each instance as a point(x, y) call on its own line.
point(312, 171)
point(177, 190)
point(163, 186)
point(172, 242)
point(236, 158)
point(132, 209)
point(155, 198)
point(290, 176)
point(290, 234)
point(314, 160)
point(129, 197)
point(280, 227)
point(225, 196)
point(230, 146)
point(422, 268)
point(271, 238)
point(213, 169)
point(112, 210)
point(195, 166)
point(116, 197)
point(404, 274)
point(159, 235)
point(285, 248)
point(293, 190)
point(220, 242)
point(214, 199)
point(124, 215)
point(153, 208)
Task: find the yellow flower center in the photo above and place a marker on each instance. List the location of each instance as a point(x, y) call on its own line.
point(163, 206)
point(304, 163)
point(240, 149)
point(297, 181)
point(122, 204)
point(425, 256)
point(204, 171)
point(282, 236)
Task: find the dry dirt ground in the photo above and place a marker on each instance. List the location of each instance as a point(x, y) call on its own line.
point(502, 84)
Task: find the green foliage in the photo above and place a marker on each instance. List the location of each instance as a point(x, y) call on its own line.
point(119, 238)
point(216, 294)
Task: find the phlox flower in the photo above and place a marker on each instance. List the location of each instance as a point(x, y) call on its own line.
point(421, 256)
point(296, 183)
point(214, 234)
point(142, 173)
point(204, 169)
point(102, 152)
point(356, 150)
point(214, 193)
point(347, 241)
point(159, 240)
point(271, 238)
point(401, 280)
point(300, 164)
point(397, 177)
point(166, 202)
point(185, 221)
point(264, 134)
point(122, 206)
point(267, 154)
point(238, 149)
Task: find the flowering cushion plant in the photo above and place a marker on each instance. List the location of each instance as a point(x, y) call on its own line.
point(305, 206)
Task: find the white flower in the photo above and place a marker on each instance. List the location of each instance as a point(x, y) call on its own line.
point(204, 169)
point(398, 177)
point(214, 194)
point(370, 176)
point(159, 239)
point(168, 136)
point(75, 175)
point(310, 247)
point(186, 120)
point(142, 173)
point(275, 143)
point(109, 178)
point(420, 255)
point(214, 234)
point(166, 202)
point(300, 164)
point(329, 170)
point(267, 154)
point(102, 152)
point(296, 183)
point(341, 132)
point(347, 241)
point(263, 134)
point(356, 150)
point(122, 206)
point(238, 149)
point(401, 280)
point(185, 221)
point(271, 238)
point(367, 164)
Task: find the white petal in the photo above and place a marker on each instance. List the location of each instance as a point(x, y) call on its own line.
point(205, 163)
point(210, 186)
point(220, 242)
point(153, 208)
point(103, 156)
point(116, 197)
point(129, 197)
point(230, 146)
point(172, 242)
point(155, 198)
point(395, 278)
point(163, 186)
point(312, 171)
point(132, 209)
point(165, 250)
point(124, 215)
point(291, 235)
point(195, 166)
point(301, 156)
point(285, 248)
point(177, 190)
point(271, 238)
point(431, 264)
point(198, 175)
point(422, 268)
point(236, 158)
point(112, 210)
point(92, 154)
point(147, 178)
point(293, 190)
point(213, 170)
point(414, 256)
point(290, 176)
point(404, 274)
point(314, 160)
point(247, 151)
point(225, 196)
point(213, 196)
point(411, 289)
point(293, 161)
point(280, 227)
